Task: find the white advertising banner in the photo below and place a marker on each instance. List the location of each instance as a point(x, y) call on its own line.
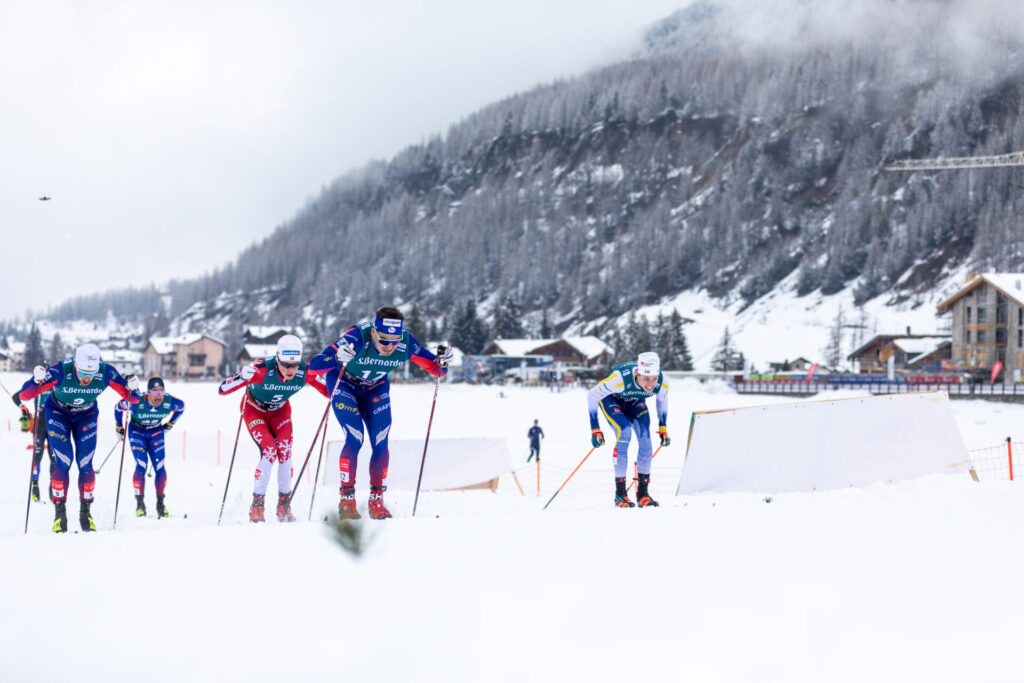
point(816, 445)
point(451, 463)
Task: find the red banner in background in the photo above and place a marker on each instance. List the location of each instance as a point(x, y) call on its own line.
point(811, 370)
point(996, 369)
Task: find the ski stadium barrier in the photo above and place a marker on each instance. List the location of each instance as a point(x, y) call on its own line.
point(450, 464)
point(818, 445)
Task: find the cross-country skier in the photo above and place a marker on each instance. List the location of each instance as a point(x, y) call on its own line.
point(535, 435)
point(155, 414)
point(622, 397)
point(39, 443)
point(71, 415)
point(356, 367)
point(268, 417)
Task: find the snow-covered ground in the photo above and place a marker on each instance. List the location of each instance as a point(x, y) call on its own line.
point(915, 581)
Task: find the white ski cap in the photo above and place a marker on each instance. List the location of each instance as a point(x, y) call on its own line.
point(289, 349)
point(648, 364)
point(87, 358)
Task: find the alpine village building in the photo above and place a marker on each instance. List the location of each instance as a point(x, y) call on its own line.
point(988, 325)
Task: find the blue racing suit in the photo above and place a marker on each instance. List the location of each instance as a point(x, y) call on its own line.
point(145, 435)
point(71, 416)
point(362, 395)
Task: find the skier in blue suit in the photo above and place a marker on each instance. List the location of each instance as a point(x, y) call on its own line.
point(71, 416)
point(155, 414)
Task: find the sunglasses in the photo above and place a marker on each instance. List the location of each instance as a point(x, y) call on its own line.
point(288, 366)
point(387, 342)
point(156, 392)
point(83, 373)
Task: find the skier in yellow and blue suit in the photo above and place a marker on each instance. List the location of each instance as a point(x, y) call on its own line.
point(622, 397)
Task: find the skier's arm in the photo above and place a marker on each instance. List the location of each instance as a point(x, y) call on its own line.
point(425, 359)
point(177, 408)
point(29, 390)
point(120, 408)
point(612, 384)
point(661, 405)
point(328, 358)
point(541, 432)
point(318, 382)
point(236, 382)
point(113, 379)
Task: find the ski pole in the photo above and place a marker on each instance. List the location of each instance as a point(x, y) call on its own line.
point(231, 466)
point(569, 477)
point(120, 473)
point(28, 503)
point(320, 457)
point(305, 462)
point(423, 461)
point(633, 483)
point(109, 454)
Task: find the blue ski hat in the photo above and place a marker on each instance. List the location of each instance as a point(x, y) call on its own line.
point(388, 325)
point(155, 383)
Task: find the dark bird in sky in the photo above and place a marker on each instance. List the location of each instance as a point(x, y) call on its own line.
point(44, 198)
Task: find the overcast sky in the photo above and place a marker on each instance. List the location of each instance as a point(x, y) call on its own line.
point(170, 135)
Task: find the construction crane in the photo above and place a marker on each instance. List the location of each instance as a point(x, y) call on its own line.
point(940, 164)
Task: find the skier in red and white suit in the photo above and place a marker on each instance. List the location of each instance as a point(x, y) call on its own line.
point(268, 417)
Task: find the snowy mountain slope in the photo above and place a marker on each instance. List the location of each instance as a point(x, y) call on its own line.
point(722, 166)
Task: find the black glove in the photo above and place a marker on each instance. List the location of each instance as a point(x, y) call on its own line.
point(24, 413)
point(119, 429)
point(445, 354)
point(16, 398)
point(167, 426)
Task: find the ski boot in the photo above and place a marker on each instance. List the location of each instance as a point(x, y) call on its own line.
point(643, 498)
point(284, 509)
point(621, 496)
point(35, 491)
point(161, 509)
point(140, 506)
point(84, 516)
point(256, 509)
point(376, 504)
point(347, 505)
point(60, 521)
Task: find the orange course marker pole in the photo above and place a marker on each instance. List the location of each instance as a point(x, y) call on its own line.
point(569, 477)
point(633, 483)
point(1009, 456)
